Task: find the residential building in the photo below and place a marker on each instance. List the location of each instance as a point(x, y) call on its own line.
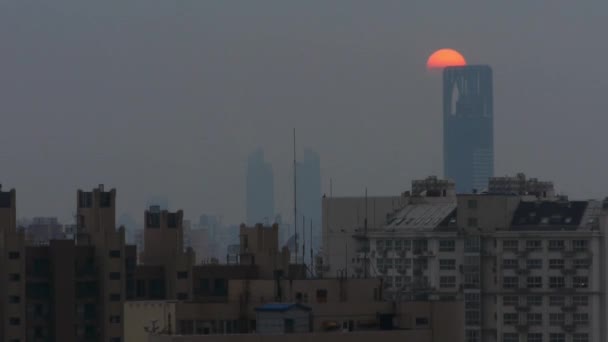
point(43, 229)
point(308, 190)
point(468, 126)
point(521, 186)
point(526, 267)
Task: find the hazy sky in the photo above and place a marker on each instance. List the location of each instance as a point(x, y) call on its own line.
point(169, 97)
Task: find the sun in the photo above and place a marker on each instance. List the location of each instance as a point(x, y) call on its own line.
point(444, 58)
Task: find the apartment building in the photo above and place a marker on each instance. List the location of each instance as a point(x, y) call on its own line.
point(528, 265)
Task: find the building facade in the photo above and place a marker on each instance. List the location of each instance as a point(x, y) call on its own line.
point(468, 126)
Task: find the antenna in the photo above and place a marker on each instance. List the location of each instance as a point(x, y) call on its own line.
point(365, 234)
point(295, 191)
point(312, 264)
point(303, 239)
point(331, 188)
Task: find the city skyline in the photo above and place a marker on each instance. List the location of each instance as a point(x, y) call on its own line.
point(178, 116)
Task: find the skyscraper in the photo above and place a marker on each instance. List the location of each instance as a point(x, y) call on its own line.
point(468, 126)
point(260, 189)
point(309, 197)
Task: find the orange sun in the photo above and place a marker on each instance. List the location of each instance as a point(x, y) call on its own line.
point(445, 57)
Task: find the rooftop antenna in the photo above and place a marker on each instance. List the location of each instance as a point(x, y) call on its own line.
point(295, 203)
point(365, 234)
point(312, 264)
point(303, 239)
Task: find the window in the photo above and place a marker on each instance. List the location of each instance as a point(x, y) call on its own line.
point(472, 222)
point(447, 264)
point(510, 245)
point(14, 277)
point(580, 337)
point(472, 336)
point(580, 300)
point(398, 282)
point(509, 264)
point(114, 254)
point(535, 282)
point(447, 245)
point(580, 282)
point(556, 318)
point(182, 296)
point(510, 318)
point(535, 318)
point(557, 337)
point(535, 300)
point(556, 245)
point(509, 282)
point(555, 264)
point(535, 337)
point(14, 299)
point(114, 275)
point(379, 244)
point(321, 296)
point(580, 245)
point(556, 301)
point(388, 244)
point(581, 263)
point(14, 321)
point(182, 275)
point(115, 319)
point(510, 300)
point(398, 245)
point(422, 321)
point(472, 317)
point(533, 245)
point(510, 337)
point(581, 318)
point(407, 245)
point(13, 255)
point(447, 282)
point(556, 282)
point(114, 297)
point(534, 263)
point(472, 204)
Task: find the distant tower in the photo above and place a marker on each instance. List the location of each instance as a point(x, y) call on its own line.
point(260, 189)
point(309, 193)
point(468, 126)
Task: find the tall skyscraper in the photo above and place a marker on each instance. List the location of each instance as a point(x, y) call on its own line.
point(468, 126)
point(260, 189)
point(309, 197)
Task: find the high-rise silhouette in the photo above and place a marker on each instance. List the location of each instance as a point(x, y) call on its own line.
point(260, 189)
point(468, 131)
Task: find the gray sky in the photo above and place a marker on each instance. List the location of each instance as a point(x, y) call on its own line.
point(169, 97)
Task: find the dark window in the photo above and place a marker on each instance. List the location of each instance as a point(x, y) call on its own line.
point(14, 321)
point(156, 288)
point(14, 277)
point(472, 222)
point(115, 339)
point(422, 321)
point(90, 331)
point(85, 200)
point(114, 297)
point(38, 332)
point(42, 267)
point(13, 255)
point(14, 299)
point(105, 199)
point(204, 287)
point(472, 204)
point(182, 275)
point(115, 254)
point(153, 220)
point(114, 275)
point(115, 319)
point(172, 220)
point(220, 287)
point(5, 199)
point(321, 296)
point(182, 296)
point(90, 311)
point(140, 288)
point(86, 289)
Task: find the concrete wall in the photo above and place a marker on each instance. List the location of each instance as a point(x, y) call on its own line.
point(384, 336)
point(140, 316)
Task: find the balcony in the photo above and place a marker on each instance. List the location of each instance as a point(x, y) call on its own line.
point(568, 271)
point(523, 271)
point(569, 308)
point(522, 327)
point(523, 253)
point(568, 253)
point(569, 327)
point(522, 308)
